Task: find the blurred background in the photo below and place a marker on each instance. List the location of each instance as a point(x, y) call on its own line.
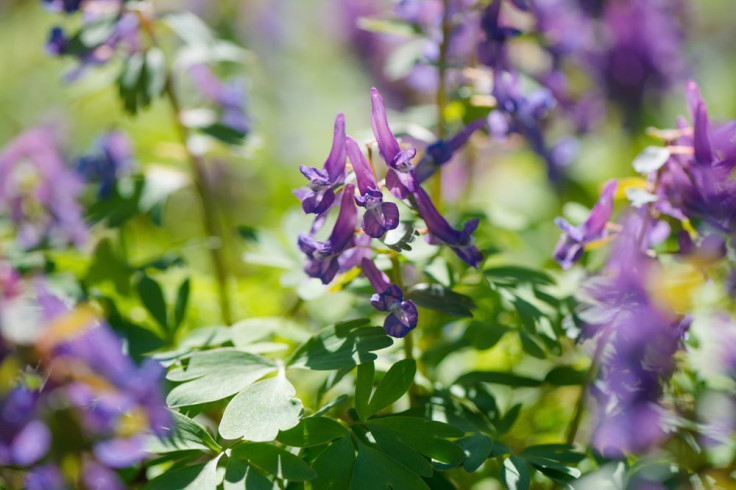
point(306, 61)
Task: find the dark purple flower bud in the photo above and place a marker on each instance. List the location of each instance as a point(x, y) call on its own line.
point(319, 194)
point(67, 6)
point(324, 256)
point(442, 151)
point(492, 50)
point(56, 44)
point(441, 233)
point(389, 297)
point(400, 178)
point(111, 159)
point(379, 216)
point(574, 238)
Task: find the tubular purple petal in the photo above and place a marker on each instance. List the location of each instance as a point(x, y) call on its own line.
point(361, 167)
point(387, 144)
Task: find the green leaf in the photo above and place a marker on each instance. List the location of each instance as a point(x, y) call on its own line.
point(312, 431)
point(275, 461)
point(425, 436)
point(129, 82)
point(564, 453)
point(334, 466)
point(185, 435)
point(153, 299)
point(375, 471)
point(108, 266)
point(531, 346)
point(565, 376)
point(394, 384)
point(239, 475)
point(477, 448)
point(513, 275)
point(497, 377)
point(340, 400)
point(261, 410)
point(508, 419)
point(226, 134)
point(342, 345)
point(515, 474)
point(180, 308)
point(156, 73)
point(216, 374)
point(438, 298)
point(195, 477)
point(393, 447)
point(363, 388)
point(97, 31)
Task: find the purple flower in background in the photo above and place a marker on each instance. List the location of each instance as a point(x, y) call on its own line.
point(442, 151)
point(441, 233)
point(228, 96)
point(711, 249)
point(379, 216)
point(324, 256)
point(574, 238)
point(389, 297)
point(97, 476)
point(67, 6)
point(46, 477)
point(638, 338)
point(110, 160)
point(24, 439)
point(400, 178)
point(492, 49)
point(39, 193)
point(319, 195)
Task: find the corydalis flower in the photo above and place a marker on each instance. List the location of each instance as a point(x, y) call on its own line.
point(442, 151)
point(24, 439)
point(229, 96)
point(319, 195)
point(379, 216)
point(110, 160)
point(38, 193)
point(441, 233)
point(400, 178)
point(324, 256)
point(389, 297)
point(492, 49)
point(574, 238)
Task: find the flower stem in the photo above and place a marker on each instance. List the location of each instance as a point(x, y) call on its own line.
point(209, 212)
point(441, 95)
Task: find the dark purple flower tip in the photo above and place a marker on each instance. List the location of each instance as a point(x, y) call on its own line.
point(387, 144)
point(522, 4)
point(379, 281)
point(335, 163)
point(402, 320)
point(361, 167)
point(379, 219)
point(400, 184)
point(403, 315)
point(67, 6)
point(56, 44)
point(701, 136)
point(441, 233)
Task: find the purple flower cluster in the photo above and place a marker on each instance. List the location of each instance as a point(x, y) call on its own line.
point(228, 96)
point(107, 28)
point(629, 307)
point(347, 247)
point(110, 160)
point(38, 193)
point(91, 391)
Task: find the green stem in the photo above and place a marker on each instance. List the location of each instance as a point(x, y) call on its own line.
point(441, 96)
point(209, 212)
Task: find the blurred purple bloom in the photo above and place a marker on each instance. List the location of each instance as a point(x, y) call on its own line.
point(389, 297)
point(97, 477)
point(711, 249)
point(67, 6)
point(228, 96)
point(324, 256)
point(400, 178)
point(442, 151)
point(574, 238)
point(441, 233)
point(110, 160)
point(319, 195)
point(492, 49)
point(639, 337)
point(379, 216)
point(46, 477)
point(23, 438)
point(38, 193)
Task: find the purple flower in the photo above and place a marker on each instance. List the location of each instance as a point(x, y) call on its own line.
point(492, 49)
point(67, 6)
point(389, 297)
point(111, 159)
point(319, 195)
point(97, 477)
point(39, 193)
point(638, 338)
point(324, 256)
point(229, 96)
point(442, 151)
point(379, 216)
point(24, 439)
point(400, 178)
point(574, 238)
point(711, 249)
point(46, 477)
point(441, 233)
